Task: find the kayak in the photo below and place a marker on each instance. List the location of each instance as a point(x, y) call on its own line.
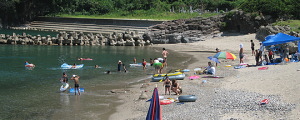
point(64, 87)
point(172, 76)
point(66, 66)
point(187, 98)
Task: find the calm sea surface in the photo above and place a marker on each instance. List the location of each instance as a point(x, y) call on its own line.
point(34, 94)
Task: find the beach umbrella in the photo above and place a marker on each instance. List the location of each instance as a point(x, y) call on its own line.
point(154, 112)
point(225, 55)
point(214, 59)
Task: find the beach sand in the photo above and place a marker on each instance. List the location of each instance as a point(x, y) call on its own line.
point(236, 96)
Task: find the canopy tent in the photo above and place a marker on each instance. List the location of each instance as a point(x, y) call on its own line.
point(279, 39)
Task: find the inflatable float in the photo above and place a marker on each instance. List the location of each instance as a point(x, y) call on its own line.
point(187, 98)
point(64, 87)
point(72, 90)
point(30, 65)
point(67, 66)
point(184, 70)
point(194, 77)
point(263, 68)
point(165, 102)
point(138, 65)
point(172, 76)
point(85, 59)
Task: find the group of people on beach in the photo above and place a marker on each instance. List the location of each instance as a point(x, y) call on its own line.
point(172, 85)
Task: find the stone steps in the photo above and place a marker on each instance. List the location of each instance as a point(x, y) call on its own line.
point(84, 27)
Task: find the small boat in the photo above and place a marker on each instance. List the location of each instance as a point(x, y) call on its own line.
point(187, 98)
point(67, 66)
point(138, 65)
point(64, 87)
point(172, 76)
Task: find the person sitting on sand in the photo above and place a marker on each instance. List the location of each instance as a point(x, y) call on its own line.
point(176, 88)
point(167, 84)
point(210, 69)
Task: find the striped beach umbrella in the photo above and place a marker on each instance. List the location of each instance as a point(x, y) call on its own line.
point(225, 55)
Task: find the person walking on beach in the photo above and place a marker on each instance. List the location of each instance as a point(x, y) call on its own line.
point(165, 53)
point(217, 51)
point(76, 81)
point(261, 51)
point(167, 84)
point(252, 47)
point(241, 53)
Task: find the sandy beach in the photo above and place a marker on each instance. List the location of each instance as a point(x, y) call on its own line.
point(237, 96)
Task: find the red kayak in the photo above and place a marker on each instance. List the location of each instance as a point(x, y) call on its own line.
point(30, 65)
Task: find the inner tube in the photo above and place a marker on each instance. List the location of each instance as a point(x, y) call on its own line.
point(64, 87)
point(187, 98)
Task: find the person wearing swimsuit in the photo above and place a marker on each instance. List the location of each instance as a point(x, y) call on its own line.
point(175, 87)
point(167, 85)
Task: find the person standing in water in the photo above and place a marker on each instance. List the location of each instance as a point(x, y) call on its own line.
point(134, 60)
point(119, 65)
point(76, 81)
point(165, 53)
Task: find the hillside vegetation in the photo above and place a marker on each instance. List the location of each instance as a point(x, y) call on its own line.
point(14, 12)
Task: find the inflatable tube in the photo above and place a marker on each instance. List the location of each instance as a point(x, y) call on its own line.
point(64, 87)
point(165, 102)
point(187, 98)
point(160, 59)
point(66, 66)
point(72, 90)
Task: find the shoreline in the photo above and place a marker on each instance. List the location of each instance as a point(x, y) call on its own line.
point(236, 96)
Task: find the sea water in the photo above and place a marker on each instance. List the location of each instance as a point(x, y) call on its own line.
point(34, 93)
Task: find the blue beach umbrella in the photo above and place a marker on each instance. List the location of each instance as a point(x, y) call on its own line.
point(154, 112)
point(214, 59)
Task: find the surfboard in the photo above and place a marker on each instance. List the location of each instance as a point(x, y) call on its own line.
point(72, 90)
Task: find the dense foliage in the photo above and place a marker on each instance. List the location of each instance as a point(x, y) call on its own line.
point(19, 11)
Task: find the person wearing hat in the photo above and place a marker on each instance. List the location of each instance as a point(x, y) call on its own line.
point(76, 80)
point(119, 65)
point(167, 84)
